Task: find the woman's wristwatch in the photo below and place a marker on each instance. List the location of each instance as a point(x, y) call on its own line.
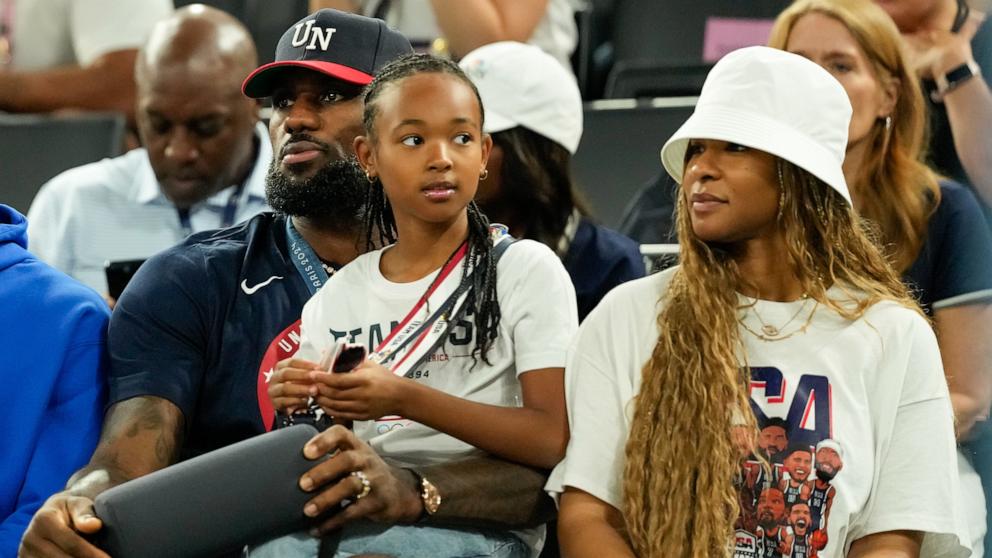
point(954, 78)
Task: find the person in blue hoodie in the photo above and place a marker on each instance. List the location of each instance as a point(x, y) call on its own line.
point(52, 340)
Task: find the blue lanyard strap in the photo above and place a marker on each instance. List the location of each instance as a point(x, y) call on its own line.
point(305, 259)
point(227, 216)
point(231, 209)
point(185, 223)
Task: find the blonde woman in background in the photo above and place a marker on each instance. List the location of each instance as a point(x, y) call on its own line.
point(932, 230)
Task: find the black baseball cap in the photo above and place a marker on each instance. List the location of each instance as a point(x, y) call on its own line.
point(345, 46)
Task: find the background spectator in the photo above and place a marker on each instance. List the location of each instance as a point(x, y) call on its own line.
point(203, 168)
point(57, 54)
point(534, 113)
point(464, 25)
point(950, 44)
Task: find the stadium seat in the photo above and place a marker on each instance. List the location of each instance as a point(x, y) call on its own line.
point(619, 149)
point(35, 148)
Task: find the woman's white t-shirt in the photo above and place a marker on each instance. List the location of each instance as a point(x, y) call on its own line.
point(872, 391)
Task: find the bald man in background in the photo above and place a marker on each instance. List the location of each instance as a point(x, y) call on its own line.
point(203, 166)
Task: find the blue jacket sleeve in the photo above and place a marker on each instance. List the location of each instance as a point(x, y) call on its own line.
point(68, 428)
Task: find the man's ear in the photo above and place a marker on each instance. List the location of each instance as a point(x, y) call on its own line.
point(365, 154)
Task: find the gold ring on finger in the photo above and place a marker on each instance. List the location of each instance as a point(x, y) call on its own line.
point(366, 484)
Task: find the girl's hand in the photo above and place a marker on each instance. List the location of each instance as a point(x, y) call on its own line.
point(290, 385)
point(368, 392)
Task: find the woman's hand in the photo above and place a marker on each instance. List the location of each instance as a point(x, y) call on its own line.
point(936, 52)
point(291, 384)
point(368, 392)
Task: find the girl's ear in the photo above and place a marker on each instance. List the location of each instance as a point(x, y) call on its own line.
point(487, 148)
point(365, 154)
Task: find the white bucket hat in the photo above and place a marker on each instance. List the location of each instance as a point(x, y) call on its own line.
point(521, 85)
point(775, 101)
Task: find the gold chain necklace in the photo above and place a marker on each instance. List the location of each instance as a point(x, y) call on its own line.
point(771, 333)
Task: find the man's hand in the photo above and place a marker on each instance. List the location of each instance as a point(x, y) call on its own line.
point(140, 435)
point(368, 392)
point(936, 52)
point(392, 496)
point(57, 528)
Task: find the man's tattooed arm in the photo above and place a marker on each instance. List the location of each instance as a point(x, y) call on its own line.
point(140, 435)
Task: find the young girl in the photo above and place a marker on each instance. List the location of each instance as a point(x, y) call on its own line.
point(782, 317)
point(495, 382)
point(933, 231)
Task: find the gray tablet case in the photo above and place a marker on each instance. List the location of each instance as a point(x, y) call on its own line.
point(212, 504)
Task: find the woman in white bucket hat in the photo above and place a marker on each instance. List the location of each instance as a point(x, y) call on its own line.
point(782, 311)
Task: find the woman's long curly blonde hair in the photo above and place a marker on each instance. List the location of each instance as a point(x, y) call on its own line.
point(679, 497)
point(894, 188)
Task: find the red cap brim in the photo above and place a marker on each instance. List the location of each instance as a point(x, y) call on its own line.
point(260, 84)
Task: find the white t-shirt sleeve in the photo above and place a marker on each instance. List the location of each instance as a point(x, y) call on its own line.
point(915, 481)
point(312, 341)
point(600, 380)
point(537, 303)
point(48, 235)
point(102, 26)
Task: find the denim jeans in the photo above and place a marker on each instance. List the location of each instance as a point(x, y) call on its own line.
point(399, 541)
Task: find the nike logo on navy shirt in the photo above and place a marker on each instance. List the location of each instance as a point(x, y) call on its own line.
point(252, 290)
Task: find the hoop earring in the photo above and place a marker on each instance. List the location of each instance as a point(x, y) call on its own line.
point(484, 174)
point(370, 178)
point(888, 124)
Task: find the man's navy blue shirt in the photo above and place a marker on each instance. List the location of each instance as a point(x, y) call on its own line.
point(203, 325)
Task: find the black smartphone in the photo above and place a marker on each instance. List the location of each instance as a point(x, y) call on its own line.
point(119, 274)
point(350, 357)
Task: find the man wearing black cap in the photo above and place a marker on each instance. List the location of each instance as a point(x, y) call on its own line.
point(198, 332)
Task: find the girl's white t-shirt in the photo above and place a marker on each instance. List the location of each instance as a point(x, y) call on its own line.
point(538, 320)
point(872, 391)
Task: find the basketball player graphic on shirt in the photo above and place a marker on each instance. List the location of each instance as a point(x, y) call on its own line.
point(771, 530)
point(829, 462)
point(795, 483)
point(762, 469)
point(798, 533)
point(773, 439)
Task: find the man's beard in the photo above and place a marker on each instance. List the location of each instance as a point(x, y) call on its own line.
point(767, 519)
point(334, 196)
point(825, 475)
